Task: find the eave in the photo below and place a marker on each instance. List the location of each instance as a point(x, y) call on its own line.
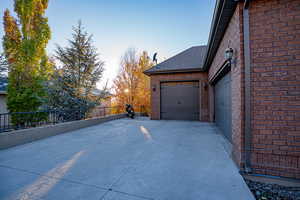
point(223, 12)
point(173, 71)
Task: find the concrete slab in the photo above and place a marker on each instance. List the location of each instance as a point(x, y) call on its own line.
point(126, 159)
point(111, 195)
point(17, 185)
point(204, 172)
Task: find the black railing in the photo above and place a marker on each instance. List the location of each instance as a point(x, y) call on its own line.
point(105, 111)
point(23, 120)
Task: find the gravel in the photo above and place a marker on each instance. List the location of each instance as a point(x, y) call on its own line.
point(264, 191)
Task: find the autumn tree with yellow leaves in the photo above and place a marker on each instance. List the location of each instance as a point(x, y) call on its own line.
point(24, 45)
point(132, 85)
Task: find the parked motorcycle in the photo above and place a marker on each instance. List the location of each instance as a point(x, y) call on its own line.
point(130, 111)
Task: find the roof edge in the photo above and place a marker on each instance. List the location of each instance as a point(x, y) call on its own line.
point(173, 71)
point(151, 71)
point(224, 9)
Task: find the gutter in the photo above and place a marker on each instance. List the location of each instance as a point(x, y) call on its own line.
point(173, 71)
point(223, 12)
point(215, 22)
point(247, 81)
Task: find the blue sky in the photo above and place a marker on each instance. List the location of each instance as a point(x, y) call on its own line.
point(162, 26)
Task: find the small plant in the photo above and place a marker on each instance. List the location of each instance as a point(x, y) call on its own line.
point(28, 119)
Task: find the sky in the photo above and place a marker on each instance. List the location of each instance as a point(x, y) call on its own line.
point(163, 26)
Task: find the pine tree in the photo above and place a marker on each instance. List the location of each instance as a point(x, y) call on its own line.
point(24, 46)
point(79, 72)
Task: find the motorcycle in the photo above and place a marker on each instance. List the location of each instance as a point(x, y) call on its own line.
point(130, 111)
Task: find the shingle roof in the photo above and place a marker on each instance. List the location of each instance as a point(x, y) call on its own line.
point(188, 60)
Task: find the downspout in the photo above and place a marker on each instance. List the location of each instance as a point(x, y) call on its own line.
point(247, 62)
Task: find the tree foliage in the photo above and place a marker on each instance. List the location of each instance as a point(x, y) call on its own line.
point(131, 85)
point(73, 84)
point(24, 46)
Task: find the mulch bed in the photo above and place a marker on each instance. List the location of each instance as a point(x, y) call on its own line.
point(264, 191)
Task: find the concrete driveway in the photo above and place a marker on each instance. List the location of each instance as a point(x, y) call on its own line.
point(124, 160)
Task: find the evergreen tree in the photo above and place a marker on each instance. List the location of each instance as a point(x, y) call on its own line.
point(80, 70)
point(24, 46)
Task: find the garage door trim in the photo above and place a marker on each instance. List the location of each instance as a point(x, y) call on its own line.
point(222, 71)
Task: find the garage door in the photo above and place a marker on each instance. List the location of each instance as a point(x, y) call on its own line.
point(180, 100)
point(223, 105)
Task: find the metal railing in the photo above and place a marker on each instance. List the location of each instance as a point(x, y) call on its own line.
point(105, 111)
point(23, 120)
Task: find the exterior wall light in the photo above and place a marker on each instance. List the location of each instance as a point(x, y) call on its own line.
point(229, 53)
point(154, 88)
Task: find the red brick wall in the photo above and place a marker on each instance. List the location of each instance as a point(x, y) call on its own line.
point(233, 38)
point(275, 63)
point(155, 96)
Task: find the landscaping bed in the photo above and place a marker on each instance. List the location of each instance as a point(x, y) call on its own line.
point(265, 191)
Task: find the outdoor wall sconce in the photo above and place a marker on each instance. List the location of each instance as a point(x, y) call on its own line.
point(154, 88)
point(229, 53)
point(229, 56)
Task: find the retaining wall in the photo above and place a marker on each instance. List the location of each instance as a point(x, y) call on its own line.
point(18, 137)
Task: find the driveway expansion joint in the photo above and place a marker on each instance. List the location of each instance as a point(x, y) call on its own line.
point(51, 177)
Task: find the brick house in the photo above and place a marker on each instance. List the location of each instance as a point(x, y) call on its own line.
point(252, 93)
point(180, 73)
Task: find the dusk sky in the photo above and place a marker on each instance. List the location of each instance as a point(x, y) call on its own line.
point(162, 26)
